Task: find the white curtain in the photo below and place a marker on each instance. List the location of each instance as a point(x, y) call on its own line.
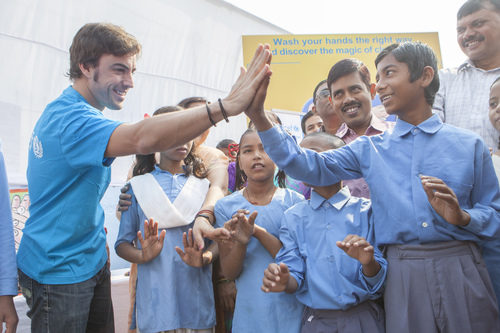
point(190, 48)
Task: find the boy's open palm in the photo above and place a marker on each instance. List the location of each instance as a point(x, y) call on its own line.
point(192, 254)
point(444, 201)
point(358, 248)
point(151, 244)
point(275, 278)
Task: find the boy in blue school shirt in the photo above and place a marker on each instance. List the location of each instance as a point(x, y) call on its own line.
point(438, 201)
point(327, 258)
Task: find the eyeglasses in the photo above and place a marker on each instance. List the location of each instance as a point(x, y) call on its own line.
point(323, 94)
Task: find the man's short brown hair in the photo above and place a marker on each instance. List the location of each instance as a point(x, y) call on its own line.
point(95, 39)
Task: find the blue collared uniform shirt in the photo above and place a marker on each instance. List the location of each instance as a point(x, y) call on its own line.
point(327, 277)
point(391, 164)
point(256, 311)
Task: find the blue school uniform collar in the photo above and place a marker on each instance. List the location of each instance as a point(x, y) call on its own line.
point(338, 200)
point(430, 126)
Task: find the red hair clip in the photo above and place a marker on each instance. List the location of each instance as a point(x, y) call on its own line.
point(233, 147)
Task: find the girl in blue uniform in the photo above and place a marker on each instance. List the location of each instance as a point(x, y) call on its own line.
point(170, 296)
point(255, 242)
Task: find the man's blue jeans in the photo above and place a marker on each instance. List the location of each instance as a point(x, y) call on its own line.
point(75, 308)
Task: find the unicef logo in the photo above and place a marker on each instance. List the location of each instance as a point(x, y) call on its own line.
point(37, 147)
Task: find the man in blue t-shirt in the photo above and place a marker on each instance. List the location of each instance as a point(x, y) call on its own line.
point(62, 255)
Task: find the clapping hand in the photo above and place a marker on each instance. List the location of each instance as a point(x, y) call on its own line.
point(358, 248)
point(241, 227)
point(275, 278)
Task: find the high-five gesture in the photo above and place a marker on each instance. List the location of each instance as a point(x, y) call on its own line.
point(277, 279)
point(151, 244)
point(444, 201)
point(360, 249)
point(250, 80)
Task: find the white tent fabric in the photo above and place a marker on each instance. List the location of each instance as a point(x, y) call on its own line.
point(190, 48)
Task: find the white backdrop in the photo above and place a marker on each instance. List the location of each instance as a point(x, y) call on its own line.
point(190, 48)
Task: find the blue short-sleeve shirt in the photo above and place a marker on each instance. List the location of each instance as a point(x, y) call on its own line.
point(63, 239)
point(256, 311)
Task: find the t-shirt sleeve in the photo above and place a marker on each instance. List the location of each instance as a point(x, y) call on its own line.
point(84, 137)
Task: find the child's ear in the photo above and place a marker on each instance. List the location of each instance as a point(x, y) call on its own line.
point(427, 76)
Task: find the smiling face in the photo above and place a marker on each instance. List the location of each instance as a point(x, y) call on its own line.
point(478, 35)
point(109, 82)
point(398, 95)
point(352, 100)
point(313, 124)
point(494, 104)
point(253, 160)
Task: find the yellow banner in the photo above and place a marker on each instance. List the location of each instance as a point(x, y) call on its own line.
point(301, 61)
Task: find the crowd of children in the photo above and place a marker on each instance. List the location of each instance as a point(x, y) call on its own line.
point(323, 264)
point(296, 249)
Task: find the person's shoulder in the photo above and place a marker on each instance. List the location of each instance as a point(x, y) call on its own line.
point(463, 139)
point(234, 198)
point(299, 208)
point(291, 197)
point(459, 132)
point(364, 204)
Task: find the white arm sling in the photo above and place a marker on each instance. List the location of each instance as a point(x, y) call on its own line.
point(156, 205)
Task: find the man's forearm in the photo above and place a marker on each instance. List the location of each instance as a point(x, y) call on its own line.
point(161, 132)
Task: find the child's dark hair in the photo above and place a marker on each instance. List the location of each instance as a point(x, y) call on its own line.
point(187, 102)
point(472, 6)
point(272, 116)
point(416, 56)
point(241, 178)
point(347, 66)
point(308, 115)
point(224, 143)
point(146, 163)
point(332, 141)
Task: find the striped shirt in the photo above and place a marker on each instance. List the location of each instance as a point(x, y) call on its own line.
point(462, 100)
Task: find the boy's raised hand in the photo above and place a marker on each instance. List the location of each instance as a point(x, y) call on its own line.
point(246, 86)
point(275, 278)
point(358, 248)
point(192, 254)
point(444, 201)
point(151, 244)
point(240, 227)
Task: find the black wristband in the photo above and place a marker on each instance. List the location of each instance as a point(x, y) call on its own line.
point(205, 217)
point(210, 115)
point(224, 114)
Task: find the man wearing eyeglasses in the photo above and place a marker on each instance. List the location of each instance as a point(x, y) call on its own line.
point(322, 106)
